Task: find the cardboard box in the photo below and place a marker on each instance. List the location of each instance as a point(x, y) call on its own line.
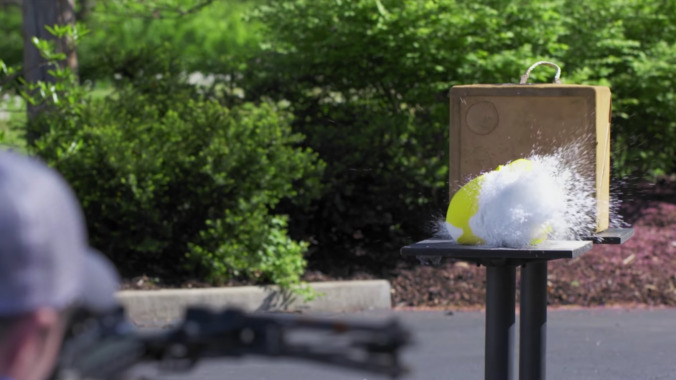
point(493, 124)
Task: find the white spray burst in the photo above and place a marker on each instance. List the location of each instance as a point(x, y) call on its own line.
point(555, 198)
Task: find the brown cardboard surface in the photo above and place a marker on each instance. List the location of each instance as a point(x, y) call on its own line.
point(493, 124)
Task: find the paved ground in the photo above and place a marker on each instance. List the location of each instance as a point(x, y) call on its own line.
point(582, 344)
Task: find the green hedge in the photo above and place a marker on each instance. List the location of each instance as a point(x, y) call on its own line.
point(367, 82)
point(368, 79)
point(206, 40)
point(175, 185)
point(11, 43)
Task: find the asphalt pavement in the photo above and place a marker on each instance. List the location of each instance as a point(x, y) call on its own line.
point(601, 344)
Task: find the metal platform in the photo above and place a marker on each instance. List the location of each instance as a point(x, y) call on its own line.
point(611, 236)
point(489, 256)
point(485, 255)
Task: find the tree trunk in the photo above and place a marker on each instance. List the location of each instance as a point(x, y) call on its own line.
point(36, 15)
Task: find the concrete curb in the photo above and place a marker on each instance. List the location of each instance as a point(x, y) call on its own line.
point(340, 296)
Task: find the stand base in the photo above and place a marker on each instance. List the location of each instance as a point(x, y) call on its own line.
point(501, 266)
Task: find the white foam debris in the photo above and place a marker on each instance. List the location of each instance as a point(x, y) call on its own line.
point(556, 198)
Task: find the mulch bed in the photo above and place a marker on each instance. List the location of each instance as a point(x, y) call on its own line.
point(639, 272)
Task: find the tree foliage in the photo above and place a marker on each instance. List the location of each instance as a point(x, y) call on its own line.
point(172, 182)
point(11, 43)
point(367, 81)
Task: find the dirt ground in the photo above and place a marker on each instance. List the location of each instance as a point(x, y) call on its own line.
point(640, 272)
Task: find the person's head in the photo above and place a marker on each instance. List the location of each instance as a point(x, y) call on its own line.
point(46, 266)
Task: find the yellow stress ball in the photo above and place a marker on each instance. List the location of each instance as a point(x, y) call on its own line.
point(465, 204)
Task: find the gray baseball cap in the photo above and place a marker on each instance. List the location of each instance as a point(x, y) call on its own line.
point(45, 259)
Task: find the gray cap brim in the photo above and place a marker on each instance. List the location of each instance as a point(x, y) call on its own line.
point(99, 284)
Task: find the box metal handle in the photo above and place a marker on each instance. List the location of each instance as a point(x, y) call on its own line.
point(557, 80)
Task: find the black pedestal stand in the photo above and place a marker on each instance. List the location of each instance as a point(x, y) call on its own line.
point(501, 266)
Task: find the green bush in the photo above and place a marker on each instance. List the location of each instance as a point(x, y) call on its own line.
point(11, 58)
point(367, 81)
point(205, 39)
point(11, 43)
point(630, 46)
point(176, 185)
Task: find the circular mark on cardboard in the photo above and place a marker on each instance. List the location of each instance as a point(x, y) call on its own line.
point(482, 118)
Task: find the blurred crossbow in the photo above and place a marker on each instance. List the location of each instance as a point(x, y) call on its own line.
point(106, 346)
